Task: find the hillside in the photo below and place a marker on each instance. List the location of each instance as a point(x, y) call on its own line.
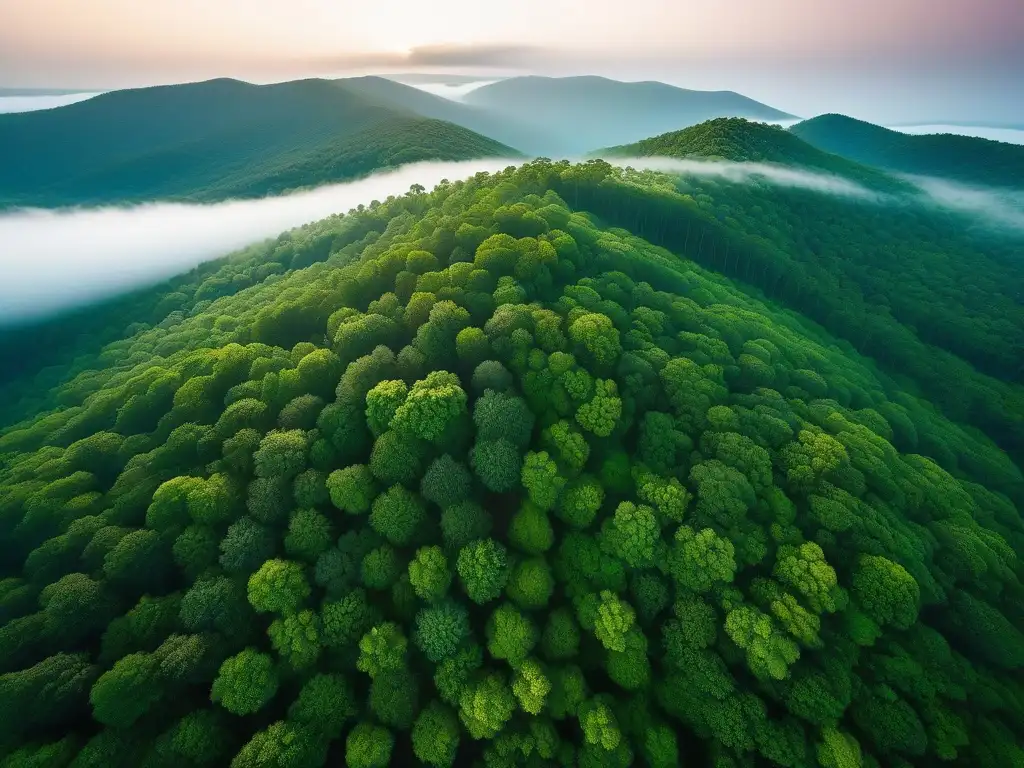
point(211, 140)
point(739, 140)
point(532, 139)
point(475, 477)
point(584, 113)
point(961, 158)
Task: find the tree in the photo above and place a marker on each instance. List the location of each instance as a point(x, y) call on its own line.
point(382, 649)
point(397, 514)
point(429, 574)
point(497, 464)
point(486, 706)
point(441, 629)
point(510, 635)
point(435, 735)
point(631, 534)
point(368, 746)
point(352, 489)
point(432, 404)
point(482, 566)
point(446, 482)
point(245, 683)
point(530, 686)
point(279, 586)
point(886, 592)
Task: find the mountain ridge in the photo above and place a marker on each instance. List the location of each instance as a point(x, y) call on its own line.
point(969, 159)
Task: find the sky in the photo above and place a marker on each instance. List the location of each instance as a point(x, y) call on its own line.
point(887, 60)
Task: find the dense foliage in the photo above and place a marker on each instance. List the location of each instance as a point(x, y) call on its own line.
point(468, 476)
point(740, 140)
point(216, 140)
point(964, 158)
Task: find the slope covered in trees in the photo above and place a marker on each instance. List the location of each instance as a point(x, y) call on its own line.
point(740, 140)
point(963, 158)
point(582, 114)
point(214, 140)
point(471, 477)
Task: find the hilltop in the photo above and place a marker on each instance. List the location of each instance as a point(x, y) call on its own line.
point(486, 475)
point(740, 140)
point(961, 158)
point(584, 113)
point(213, 140)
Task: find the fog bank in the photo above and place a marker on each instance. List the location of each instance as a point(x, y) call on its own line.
point(1000, 208)
point(52, 260)
point(743, 173)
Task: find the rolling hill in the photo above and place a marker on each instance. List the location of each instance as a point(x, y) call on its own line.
point(486, 475)
point(215, 139)
point(961, 158)
point(739, 140)
point(582, 114)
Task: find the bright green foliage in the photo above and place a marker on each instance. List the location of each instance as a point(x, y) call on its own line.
point(687, 524)
point(432, 404)
point(296, 638)
point(441, 629)
point(281, 454)
point(446, 482)
point(599, 725)
point(368, 746)
point(382, 402)
point(885, 591)
point(541, 479)
point(486, 706)
point(698, 561)
point(429, 574)
point(382, 649)
point(613, 620)
point(510, 635)
point(631, 534)
point(435, 735)
point(482, 566)
point(352, 489)
point(279, 586)
point(580, 502)
point(530, 686)
point(769, 652)
point(594, 333)
point(497, 464)
point(567, 446)
point(397, 514)
point(245, 683)
point(601, 413)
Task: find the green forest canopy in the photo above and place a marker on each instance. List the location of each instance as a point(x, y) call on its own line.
point(217, 139)
point(470, 475)
point(962, 158)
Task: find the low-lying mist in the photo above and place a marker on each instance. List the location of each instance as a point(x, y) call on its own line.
point(1002, 208)
point(52, 260)
point(742, 173)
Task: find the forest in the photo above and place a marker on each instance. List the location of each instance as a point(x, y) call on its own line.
point(566, 465)
point(962, 158)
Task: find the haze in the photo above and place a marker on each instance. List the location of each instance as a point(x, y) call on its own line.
point(882, 60)
point(54, 260)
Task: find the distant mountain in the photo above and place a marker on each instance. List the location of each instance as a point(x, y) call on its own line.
point(963, 158)
point(741, 140)
point(522, 135)
point(581, 114)
point(215, 139)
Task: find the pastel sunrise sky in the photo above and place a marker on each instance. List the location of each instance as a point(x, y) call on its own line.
point(887, 60)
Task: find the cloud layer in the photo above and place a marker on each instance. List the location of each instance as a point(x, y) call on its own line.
point(55, 260)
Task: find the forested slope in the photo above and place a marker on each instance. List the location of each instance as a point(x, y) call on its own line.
point(214, 140)
point(962, 158)
point(469, 477)
point(740, 140)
